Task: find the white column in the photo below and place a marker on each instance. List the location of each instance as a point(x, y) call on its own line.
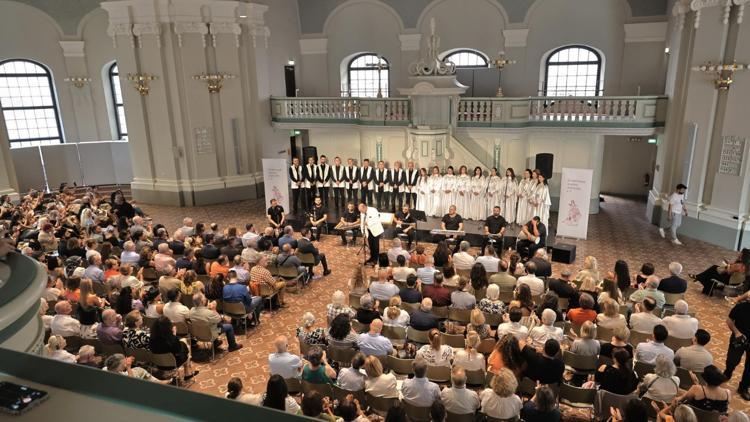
point(83, 105)
point(314, 69)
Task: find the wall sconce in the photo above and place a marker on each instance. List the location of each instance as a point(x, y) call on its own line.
point(78, 81)
point(140, 81)
point(723, 71)
point(214, 80)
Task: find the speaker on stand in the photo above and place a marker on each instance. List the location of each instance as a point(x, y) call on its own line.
point(308, 152)
point(544, 164)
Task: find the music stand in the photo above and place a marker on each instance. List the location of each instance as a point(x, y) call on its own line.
point(418, 215)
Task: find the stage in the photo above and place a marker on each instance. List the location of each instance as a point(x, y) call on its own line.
point(474, 229)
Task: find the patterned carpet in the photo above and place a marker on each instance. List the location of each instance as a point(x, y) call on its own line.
point(619, 231)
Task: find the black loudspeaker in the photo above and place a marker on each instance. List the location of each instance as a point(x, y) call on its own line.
point(563, 252)
point(544, 163)
point(290, 81)
point(309, 152)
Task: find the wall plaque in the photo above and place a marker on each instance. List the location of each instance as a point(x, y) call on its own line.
point(732, 151)
point(204, 140)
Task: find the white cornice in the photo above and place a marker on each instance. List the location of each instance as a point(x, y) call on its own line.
point(216, 28)
point(121, 29)
point(181, 28)
point(147, 28)
point(313, 45)
point(646, 32)
point(72, 48)
point(410, 42)
point(515, 37)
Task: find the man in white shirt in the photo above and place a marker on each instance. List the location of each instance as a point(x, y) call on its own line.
point(540, 334)
point(351, 378)
point(63, 324)
point(643, 319)
point(419, 391)
point(512, 325)
point(397, 250)
point(243, 275)
point(402, 271)
point(371, 228)
point(382, 289)
point(647, 352)
point(426, 274)
point(536, 285)
point(282, 362)
point(250, 237)
point(187, 226)
point(695, 358)
point(174, 310)
point(675, 210)
point(490, 262)
point(681, 325)
point(458, 399)
point(463, 260)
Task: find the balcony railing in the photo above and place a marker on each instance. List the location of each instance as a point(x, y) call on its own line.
point(603, 112)
point(363, 111)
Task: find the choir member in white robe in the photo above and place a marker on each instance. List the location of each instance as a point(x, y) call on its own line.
point(508, 193)
point(422, 189)
point(434, 193)
point(524, 189)
point(542, 199)
point(477, 199)
point(449, 192)
point(463, 186)
point(493, 192)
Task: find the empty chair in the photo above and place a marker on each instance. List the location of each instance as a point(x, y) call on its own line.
point(580, 363)
point(453, 340)
point(580, 398)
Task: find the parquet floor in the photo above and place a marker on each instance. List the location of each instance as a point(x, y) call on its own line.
point(619, 231)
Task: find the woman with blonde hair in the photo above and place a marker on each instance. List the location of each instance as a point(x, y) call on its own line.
point(610, 317)
point(436, 353)
point(586, 344)
point(377, 383)
point(588, 285)
point(477, 324)
point(590, 269)
point(55, 349)
point(501, 401)
point(394, 316)
point(468, 357)
point(88, 307)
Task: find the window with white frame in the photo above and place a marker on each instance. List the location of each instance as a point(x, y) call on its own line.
point(27, 98)
point(117, 102)
point(367, 76)
point(466, 58)
point(573, 71)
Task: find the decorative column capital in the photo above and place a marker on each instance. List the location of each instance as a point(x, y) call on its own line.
point(147, 28)
point(216, 28)
point(199, 28)
point(72, 48)
point(121, 29)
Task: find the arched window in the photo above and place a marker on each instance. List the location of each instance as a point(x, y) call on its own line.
point(117, 103)
point(29, 105)
point(368, 76)
point(573, 71)
point(467, 58)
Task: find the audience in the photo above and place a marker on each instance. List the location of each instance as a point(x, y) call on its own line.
point(661, 385)
point(681, 324)
point(489, 261)
point(340, 333)
point(402, 272)
point(651, 290)
point(540, 334)
point(617, 377)
point(712, 396)
point(536, 284)
point(463, 260)
point(373, 343)
point(337, 306)
point(395, 316)
point(584, 312)
point(351, 378)
point(379, 384)
point(469, 358)
point(462, 299)
point(643, 319)
point(206, 313)
point(648, 351)
point(542, 407)
point(696, 357)
point(504, 279)
point(367, 311)
point(610, 317)
point(512, 325)
point(491, 303)
point(458, 399)
point(426, 274)
point(619, 340)
point(308, 333)
point(545, 367)
point(673, 283)
point(317, 370)
point(283, 363)
point(423, 319)
point(383, 290)
point(586, 344)
point(500, 401)
point(435, 353)
point(410, 293)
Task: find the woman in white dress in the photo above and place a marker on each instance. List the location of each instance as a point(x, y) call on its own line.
point(448, 192)
point(493, 192)
point(524, 189)
point(463, 186)
point(542, 199)
point(477, 197)
point(434, 193)
point(423, 191)
point(508, 195)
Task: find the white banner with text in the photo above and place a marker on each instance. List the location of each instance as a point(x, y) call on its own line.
point(575, 196)
point(276, 181)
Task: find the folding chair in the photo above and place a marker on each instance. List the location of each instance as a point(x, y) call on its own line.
point(459, 315)
point(486, 346)
point(637, 337)
point(380, 405)
point(453, 340)
point(167, 360)
point(704, 415)
point(493, 319)
point(400, 366)
point(580, 398)
point(409, 307)
point(236, 311)
point(440, 311)
point(417, 336)
point(142, 356)
point(341, 356)
point(340, 394)
point(454, 417)
point(354, 300)
point(397, 335)
point(112, 349)
point(579, 363)
point(201, 331)
point(438, 373)
point(293, 385)
point(476, 377)
point(183, 329)
point(675, 343)
point(685, 380)
point(643, 368)
point(416, 413)
point(325, 390)
point(604, 334)
point(73, 343)
point(358, 327)
point(292, 277)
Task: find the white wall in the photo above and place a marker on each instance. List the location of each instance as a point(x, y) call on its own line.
point(99, 53)
point(625, 164)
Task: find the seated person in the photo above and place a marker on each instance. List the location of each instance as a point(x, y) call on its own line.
point(610, 317)
point(405, 223)
point(368, 309)
point(463, 260)
point(725, 273)
point(495, 224)
point(261, 276)
point(619, 340)
point(275, 215)
point(394, 316)
point(435, 353)
point(377, 383)
point(206, 312)
point(402, 272)
point(163, 340)
point(586, 344)
point(617, 377)
point(63, 324)
point(542, 407)
point(283, 363)
point(533, 236)
point(317, 370)
point(500, 401)
point(440, 295)
point(287, 258)
point(673, 283)
point(451, 221)
point(418, 257)
point(373, 343)
point(661, 385)
point(396, 250)
point(317, 216)
point(491, 303)
point(410, 293)
point(304, 245)
point(423, 319)
point(382, 289)
point(462, 299)
point(234, 292)
point(109, 331)
point(585, 311)
point(419, 391)
point(647, 352)
point(349, 221)
point(489, 261)
point(681, 324)
point(696, 357)
point(651, 290)
point(512, 325)
point(711, 397)
point(643, 319)
point(352, 378)
point(546, 367)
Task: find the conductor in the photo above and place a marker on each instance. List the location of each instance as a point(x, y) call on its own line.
point(372, 229)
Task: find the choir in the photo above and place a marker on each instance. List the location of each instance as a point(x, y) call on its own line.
point(474, 195)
